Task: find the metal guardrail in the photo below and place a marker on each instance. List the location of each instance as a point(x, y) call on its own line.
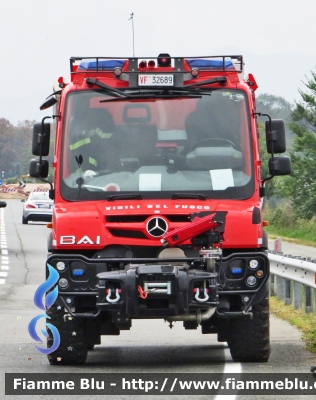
point(293, 279)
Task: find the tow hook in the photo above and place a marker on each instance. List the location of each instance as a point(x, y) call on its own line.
point(117, 295)
point(204, 291)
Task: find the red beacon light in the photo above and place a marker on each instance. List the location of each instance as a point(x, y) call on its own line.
point(164, 60)
point(142, 64)
point(61, 82)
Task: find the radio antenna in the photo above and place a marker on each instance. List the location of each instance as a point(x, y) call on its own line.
point(132, 18)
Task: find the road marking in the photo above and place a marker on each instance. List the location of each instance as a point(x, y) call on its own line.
point(3, 252)
point(230, 368)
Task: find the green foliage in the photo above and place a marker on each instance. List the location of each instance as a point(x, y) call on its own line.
point(15, 145)
point(304, 322)
point(285, 222)
point(8, 153)
point(301, 188)
point(10, 181)
point(16, 148)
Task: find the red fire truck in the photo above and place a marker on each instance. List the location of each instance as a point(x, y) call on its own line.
point(158, 200)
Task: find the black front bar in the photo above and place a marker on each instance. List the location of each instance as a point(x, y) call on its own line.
point(156, 290)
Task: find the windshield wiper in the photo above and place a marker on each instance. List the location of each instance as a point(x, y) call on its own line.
point(124, 197)
point(221, 79)
point(161, 92)
point(177, 196)
point(109, 89)
point(172, 93)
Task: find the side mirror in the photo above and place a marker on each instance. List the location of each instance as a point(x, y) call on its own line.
point(3, 204)
point(280, 166)
point(39, 170)
point(48, 103)
point(41, 139)
point(275, 137)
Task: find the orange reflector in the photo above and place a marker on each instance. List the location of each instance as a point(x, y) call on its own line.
point(49, 225)
point(265, 223)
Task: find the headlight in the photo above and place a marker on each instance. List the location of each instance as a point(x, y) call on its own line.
point(251, 280)
point(60, 266)
point(63, 283)
point(253, 264)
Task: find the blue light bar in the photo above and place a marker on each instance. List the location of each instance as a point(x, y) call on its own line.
point(78, 272)
point(236, 271)
point(103, 65)
point(210, 63)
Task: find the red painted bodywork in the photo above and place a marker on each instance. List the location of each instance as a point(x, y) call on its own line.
point(89, 219)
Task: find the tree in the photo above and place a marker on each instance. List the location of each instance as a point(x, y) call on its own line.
point(301, 186)
point(275, 106)
point(23, 142)
point(7, 150)
point(279, 108)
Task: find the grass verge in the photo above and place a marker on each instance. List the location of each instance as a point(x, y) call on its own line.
point(306, 323)
point(292, 240)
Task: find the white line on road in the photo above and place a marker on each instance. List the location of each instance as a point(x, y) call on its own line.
point(230, 368)
point(3, 252)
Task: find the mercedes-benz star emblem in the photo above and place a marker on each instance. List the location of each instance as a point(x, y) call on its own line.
point(157, 227)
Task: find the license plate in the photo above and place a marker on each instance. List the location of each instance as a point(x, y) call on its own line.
point(155, 80)
point(43, 206)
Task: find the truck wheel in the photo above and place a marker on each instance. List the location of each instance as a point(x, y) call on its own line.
point(73, 347)
point(250, 338)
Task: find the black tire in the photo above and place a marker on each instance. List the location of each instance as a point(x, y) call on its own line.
point(73, 348)
point(24, 220)
point(250, 338)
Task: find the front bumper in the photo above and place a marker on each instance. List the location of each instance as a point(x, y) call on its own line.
point(156, 288)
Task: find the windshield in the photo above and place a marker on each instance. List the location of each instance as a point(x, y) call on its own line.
point(156, 147)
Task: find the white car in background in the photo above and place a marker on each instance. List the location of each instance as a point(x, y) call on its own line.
point(38, 207)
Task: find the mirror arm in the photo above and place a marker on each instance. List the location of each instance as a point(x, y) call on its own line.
point(40, 142)
point(263, 182)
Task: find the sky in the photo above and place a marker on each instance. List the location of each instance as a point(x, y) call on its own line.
point(37, 37)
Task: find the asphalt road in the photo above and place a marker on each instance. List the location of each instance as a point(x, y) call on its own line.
point(149, 347)
point(294, 249)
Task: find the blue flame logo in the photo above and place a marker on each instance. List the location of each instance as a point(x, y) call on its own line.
point(49, 301)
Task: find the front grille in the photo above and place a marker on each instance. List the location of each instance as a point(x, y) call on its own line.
point(127, 234)
point(142, 218)
point(126, 218)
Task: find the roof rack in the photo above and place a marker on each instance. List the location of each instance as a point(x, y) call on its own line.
point(227, 63)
